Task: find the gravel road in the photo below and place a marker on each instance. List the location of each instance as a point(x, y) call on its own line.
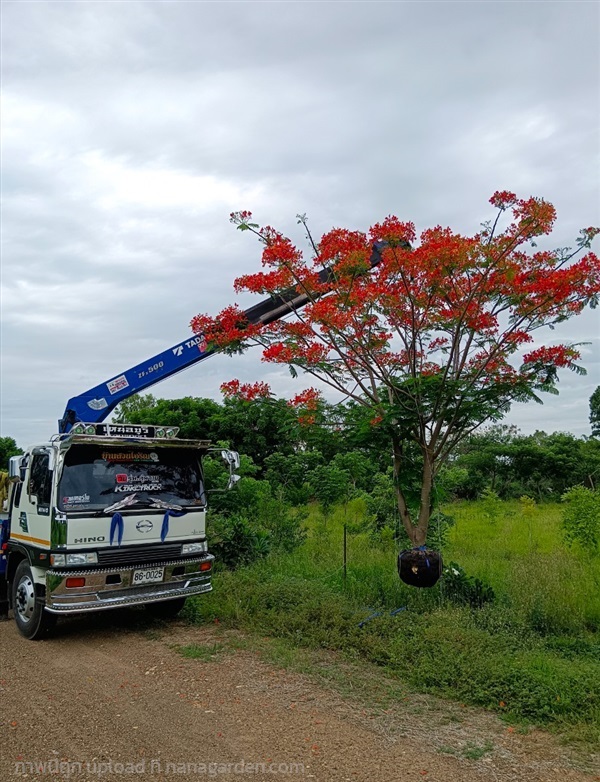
point(110, 697)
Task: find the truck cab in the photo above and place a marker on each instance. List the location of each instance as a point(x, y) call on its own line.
point(107, 516)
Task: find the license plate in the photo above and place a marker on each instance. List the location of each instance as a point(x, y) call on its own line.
point(148, 576)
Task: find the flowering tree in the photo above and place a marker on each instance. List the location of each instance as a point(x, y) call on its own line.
point(431, 338)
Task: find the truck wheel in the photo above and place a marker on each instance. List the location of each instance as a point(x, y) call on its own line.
point(32, 620)
point(166, 609)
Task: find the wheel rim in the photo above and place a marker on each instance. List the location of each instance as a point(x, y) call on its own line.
point(25, 599)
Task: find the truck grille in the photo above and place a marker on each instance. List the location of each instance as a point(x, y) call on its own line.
point(132, 555)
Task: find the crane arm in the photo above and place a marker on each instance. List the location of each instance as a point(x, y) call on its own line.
point(95, 404)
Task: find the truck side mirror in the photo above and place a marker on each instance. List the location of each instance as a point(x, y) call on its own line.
point(231, 458)
point(17, 465)
point(233, 479)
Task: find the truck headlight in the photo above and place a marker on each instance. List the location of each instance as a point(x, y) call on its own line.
point(82, 558)
point(194, 548)
point(58, 560)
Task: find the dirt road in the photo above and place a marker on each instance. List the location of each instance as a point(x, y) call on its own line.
point(111, 697)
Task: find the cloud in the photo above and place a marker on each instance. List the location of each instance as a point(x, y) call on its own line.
point(132, 130)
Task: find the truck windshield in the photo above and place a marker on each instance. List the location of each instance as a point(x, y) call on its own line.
point(96, 476)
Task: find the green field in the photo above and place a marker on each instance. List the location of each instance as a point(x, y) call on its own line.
point(531, 654)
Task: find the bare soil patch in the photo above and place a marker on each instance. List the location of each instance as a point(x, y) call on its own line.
point(111, 697)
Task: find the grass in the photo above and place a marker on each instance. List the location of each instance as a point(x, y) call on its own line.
point(562, 593)
point(532, 656)
point(198, 652)
point(477, 751)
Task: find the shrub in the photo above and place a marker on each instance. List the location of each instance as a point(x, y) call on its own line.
point(285, 525)
point(460, 588)
point(581, 517)
point(491, 505)
point(234, 542)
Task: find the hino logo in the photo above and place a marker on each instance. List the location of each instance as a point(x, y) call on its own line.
point(145, 525)
point(98, 539)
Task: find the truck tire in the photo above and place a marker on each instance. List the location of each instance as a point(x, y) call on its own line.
point(32, 620)
point(166, 609)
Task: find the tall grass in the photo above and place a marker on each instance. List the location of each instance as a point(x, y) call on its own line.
point(522, 555)
point(533, 654)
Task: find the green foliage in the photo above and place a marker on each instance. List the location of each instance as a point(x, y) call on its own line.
point(358, 467)
point(196, 418)
point(460, 588)
point(197, 652)
point(595, 412)
point(455, 482)
point(540, 465)
point(8, 448)
point(290, 473)
point(234, 541)
point(381, 503)
point(528, 506)
point(491, 505)
point(285, 525)
point(329, 485)
point(256, 429)
point(439, 528)
point(259, 428)
point(442, 650)
point(581, 517)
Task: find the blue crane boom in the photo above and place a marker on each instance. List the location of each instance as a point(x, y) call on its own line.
point(95, 404)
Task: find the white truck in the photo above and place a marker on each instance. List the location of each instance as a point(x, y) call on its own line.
point(106, 516)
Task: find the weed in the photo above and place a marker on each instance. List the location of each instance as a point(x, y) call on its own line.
point(445, 749)
point(197, 652)
point(476, 751)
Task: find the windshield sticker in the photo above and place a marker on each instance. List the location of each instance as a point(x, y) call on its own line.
point(77, 499)
point(130, 456)
point(118, 384)
point(125, 487)
point(122, 478)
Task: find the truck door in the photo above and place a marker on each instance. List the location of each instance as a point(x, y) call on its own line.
point(32, 507)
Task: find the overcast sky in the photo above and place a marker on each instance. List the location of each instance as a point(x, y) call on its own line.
point(130, 131)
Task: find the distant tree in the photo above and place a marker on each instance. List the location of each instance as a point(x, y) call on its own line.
point(8, 448)
point(330, 485)
point(427, 338)
point(259, 427)
point(595, 412)
point(540, 465)
point(196, 417)
point(133, 407)
point(289, 473)
point(590, 453)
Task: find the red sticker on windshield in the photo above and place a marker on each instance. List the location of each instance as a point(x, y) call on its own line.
point(121, 478)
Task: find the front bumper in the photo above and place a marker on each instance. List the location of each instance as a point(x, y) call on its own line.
point(112, 587)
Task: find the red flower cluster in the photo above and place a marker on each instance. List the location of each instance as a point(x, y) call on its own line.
point(393, 231)
point(245, 391)
point(306, 403)
point(309, 399)
point(230, 326)
point(556, 355)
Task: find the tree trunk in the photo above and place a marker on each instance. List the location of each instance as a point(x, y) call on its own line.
point(425, 506)
point(416, 532)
